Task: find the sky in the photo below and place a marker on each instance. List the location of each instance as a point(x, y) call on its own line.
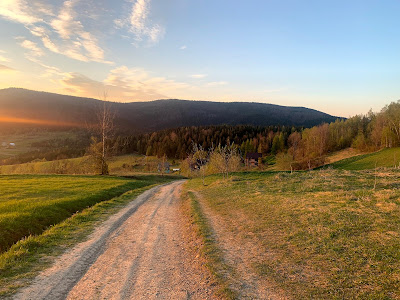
point(340, 57)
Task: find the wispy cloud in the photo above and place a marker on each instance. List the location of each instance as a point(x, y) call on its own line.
point(198, 76)
point(2, 57)
point(183, 47)
point(124, 84)
point(217, 83)
point(60, 30)
point(34, 50)
point(80, 44)
point(18, 11)
point(140, 25)
point(4, 68)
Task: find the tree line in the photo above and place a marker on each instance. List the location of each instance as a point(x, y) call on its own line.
point(298, 147)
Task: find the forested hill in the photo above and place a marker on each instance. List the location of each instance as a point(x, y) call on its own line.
point(52, 109)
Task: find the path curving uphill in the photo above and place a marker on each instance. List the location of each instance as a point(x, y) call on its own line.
point(141, 252)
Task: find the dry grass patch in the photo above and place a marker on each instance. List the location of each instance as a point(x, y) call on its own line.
point(322, 234)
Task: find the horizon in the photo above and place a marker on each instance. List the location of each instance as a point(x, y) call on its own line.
point(287, 54)
point(169, 99)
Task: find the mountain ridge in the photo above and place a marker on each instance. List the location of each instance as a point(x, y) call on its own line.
point(154, 115)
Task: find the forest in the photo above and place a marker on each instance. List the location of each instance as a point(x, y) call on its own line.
point(291, 147)
point(298, 146)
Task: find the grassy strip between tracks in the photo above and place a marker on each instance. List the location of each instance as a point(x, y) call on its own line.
point(210, 250)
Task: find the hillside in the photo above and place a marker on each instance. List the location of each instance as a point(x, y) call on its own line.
point(48, 109)
point(386, 158)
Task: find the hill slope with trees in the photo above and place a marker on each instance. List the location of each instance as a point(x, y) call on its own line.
point(48, 109)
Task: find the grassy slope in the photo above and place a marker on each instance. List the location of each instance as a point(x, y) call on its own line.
point(31, 203)
point(118, 165)
point(322, 234)
point(24, 141)
point(30, 255)
point(385, 158)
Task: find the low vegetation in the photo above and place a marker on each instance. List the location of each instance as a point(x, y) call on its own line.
point(209, 249)
point(30, 204)
point(41, 144)
point(131, 164)
point(387, 158)
point(326, 234)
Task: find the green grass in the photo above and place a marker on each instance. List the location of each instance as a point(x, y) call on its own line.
point(210, 249)
point(23, 141)
point(388, 158)
point(323, 234)
point(25, 258)
point(31, 203)
point(118, 165)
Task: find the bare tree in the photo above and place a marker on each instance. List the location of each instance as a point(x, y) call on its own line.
point(225, 159)
point(103, 130)
point(200, 156)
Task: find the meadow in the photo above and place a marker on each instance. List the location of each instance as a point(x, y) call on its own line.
point(325, 234)
point(31, 203)
point(388, 158)
point(131, 164)
point(24, 140)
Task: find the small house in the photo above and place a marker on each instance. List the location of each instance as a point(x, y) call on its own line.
point(165, 168)
point(252, 159)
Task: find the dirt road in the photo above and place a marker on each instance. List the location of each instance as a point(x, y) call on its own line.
point(140, 253)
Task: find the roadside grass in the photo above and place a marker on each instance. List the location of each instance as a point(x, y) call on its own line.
point(387, 158)
point(325, 234)
point(209, 249)
point(31, 203)
point(24, 259)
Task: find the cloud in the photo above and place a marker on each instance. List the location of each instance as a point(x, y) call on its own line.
point(217, 83)
point(34, 50)
point(124, 84)
point(2, 57)
point(140, 25)
point(18, 11)
point(78, 43)
point(4, 68)
point(198, 76)
point(183, 47)
point(65, 24)
point(62, 32)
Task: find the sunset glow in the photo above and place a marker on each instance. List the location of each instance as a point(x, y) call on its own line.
point(338, 57)
point(13, 120)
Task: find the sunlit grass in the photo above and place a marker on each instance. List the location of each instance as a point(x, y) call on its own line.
point(387, 158)
point(323, 234)
point(29, 204)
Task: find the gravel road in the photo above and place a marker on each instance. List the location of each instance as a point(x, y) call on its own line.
point(141, 252)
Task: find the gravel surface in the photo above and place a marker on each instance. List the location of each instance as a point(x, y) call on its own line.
point(142, 252)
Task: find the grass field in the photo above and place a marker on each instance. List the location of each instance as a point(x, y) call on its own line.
point(30, 203)
point(118, 165)
point(325, 234)
point(388, 158)
point(23, 141)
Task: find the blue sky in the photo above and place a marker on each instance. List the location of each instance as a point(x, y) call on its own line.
point(341, 57)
